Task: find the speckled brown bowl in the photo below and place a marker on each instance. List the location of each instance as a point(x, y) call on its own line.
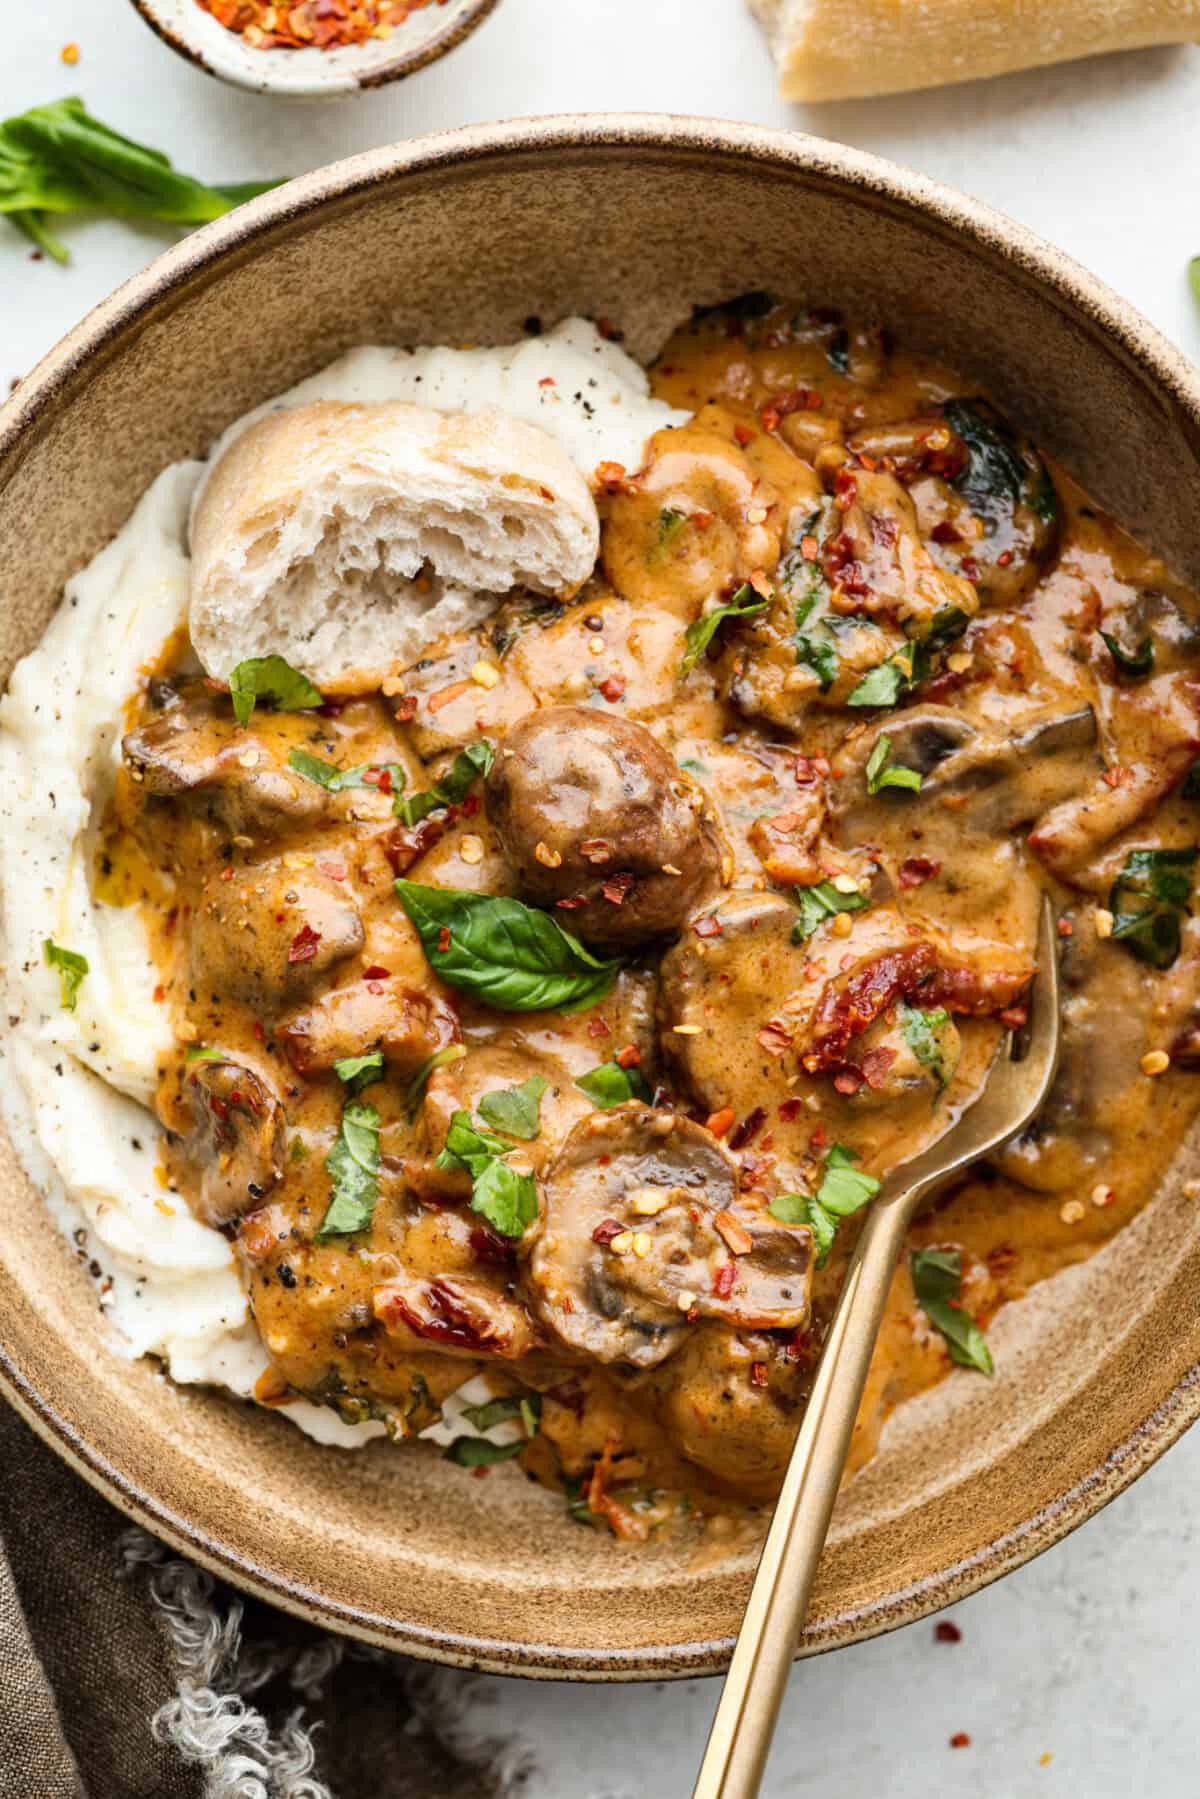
point(461, 237)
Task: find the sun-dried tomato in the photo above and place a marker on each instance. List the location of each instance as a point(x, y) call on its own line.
point(304, 944)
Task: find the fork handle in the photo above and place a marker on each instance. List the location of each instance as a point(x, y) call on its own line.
point(740, 1738)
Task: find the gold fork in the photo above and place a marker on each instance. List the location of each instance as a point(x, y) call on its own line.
point(1020, 1078)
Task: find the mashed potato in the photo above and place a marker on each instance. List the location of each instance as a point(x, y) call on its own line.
point(77, 1086)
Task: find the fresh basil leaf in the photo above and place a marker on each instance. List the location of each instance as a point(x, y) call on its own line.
point(802, 1208)
point(999, 474)
point(844, 1189)
point(415, 1091)
point(1133, 664)
point(884, 684)
point(695, 766)
point(882, 773)
point(1148, 901)
point(937, 1283)
point(452, 789)
point(506, 1198)
point(670, 526)
point(270, 678)
point(947, 624)
point(531, 1414)
point(819, 654)
point(357, 1072)
point(470, 1148)
point(515, 1110)
point(353, 1166)
point(610, 1085)
point(925, 1033)
point(819, 903)
point(338, 780)
point(700, 633)
point(203, 1052)
point(71, 968)
point(493, 1412)
point(504, 953)
point(478, 1452)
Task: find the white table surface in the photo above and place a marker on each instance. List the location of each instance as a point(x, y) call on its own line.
point(1087, 1654)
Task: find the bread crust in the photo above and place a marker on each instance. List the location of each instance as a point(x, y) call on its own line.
point(285, 527)
point(828, 50)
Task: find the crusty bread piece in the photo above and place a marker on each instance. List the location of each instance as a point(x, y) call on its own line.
point(831, 50)
point(346, 537)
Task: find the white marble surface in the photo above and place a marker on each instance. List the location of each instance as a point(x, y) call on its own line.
point(1083, 1655)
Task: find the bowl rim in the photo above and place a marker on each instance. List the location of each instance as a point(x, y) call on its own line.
point(51, 386)
point(354, 69)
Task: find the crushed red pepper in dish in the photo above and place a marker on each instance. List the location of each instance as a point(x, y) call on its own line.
point(312, 24)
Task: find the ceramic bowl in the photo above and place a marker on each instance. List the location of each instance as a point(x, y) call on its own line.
point(313, 74)
point(458, 238)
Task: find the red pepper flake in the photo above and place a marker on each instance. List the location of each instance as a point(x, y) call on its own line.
point(597, 1027)
point(227, 873)
point(917, 870)
point(1004, 558)
point(376, 973)
point(1015, 1018)
point(445, 696)
point(758, 1374)
point(443, 942)
point(606, 1231)
point(875, 1066)
point(805, 771)
point(790, 1110)
point(332, 870)
point(470, 805)
point(960, 1740)
point(1066, 927)
point(160, 994)
point(773, 1038)
point(708, 927)
point(303, 946)
point(719, 1122)
point(724, 1278)
point(845, 489)
point(809, 548)
point(612, 686)
point(611, 476)
point(630, 1056)
point(819, 1140)
point(1118, 777)
point(744, 435)
point(572, 903)
point(970, 568)
point(617, 888)
point(945, 532)
point(946, 1631)
point(406, 708)
point(259, 1032)
point(770, 416)
point(702, 518)
point(547, 381)
point(848, 1080)
point(309, 24)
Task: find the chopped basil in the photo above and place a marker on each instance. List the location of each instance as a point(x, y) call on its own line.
point(337, 780)
point(837, 352)
point(502, 1195)
point(357, 1072)
point(270, 678)
point(1133, 664)
point(843, 1190)
point(947, 623)
point(882, 773)
point(353, 1165)
point(514, 1110)
point(507, 954)
point(821, 902)
point(415, 1091)
point(1148, 900)
point(884, 684)
point(71, 968)
point(670, 524)
point(506, 1410)
point(937, 1283)
point(999, 474)
point(453, 787)
point(203, 1052)
point(817, 653)
point(610, 1085)
point(925, 1034)
point(695, 766)
point(478, 1452)
point(701, 631)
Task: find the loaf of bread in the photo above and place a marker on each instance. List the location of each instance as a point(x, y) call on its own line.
point(846, 49)
point(346, 537)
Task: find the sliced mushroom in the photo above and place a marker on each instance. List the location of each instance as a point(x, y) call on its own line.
point(409, 1025)
point(598, 822)
point(233, 1138)
point(270, 935)
point(643, 1233)
point(732, 1404)
point(195, 751)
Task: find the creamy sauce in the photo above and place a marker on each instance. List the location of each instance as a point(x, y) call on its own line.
point(907, 570)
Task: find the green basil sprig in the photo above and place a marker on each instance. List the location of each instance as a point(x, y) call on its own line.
point(819, 903)
point(1148, 901)
point(504, 953)
point(501, 1194)
point(1133, 664)
point(609, 1085)
point(357, 1072)
point(515, 1110)
point(58, 159)
point(71, 968)
point(353, 1167)
point(339, 780)
point(700, 633)
point(882, 772)
point(273, 680)
point(925, 1033)
point(843, 1191)
point(453, 787)
point(937, 1283)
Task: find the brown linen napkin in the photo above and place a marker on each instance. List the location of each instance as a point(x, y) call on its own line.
point(127, 1673)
